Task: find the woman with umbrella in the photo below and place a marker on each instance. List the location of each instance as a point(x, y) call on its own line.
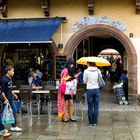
point(93, 92)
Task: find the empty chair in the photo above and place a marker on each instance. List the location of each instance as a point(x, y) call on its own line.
point(26, 97)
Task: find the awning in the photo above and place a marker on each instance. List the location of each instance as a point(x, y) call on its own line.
point(32, 30)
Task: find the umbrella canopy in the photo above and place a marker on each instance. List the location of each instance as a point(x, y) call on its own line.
point(98, 60)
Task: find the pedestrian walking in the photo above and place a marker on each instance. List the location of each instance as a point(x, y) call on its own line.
point(8, 96)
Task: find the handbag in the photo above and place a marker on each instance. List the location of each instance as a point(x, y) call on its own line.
point(71, 87)
point(7, 115)
point(101, 81)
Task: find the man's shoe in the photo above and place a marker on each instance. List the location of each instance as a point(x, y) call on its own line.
point(3, 131)
point(16, 129)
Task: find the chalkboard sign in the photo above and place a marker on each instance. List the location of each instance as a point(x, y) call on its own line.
point(60, 62)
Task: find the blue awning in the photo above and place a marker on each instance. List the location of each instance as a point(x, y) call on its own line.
point(35, 30)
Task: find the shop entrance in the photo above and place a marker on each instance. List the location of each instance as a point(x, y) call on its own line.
point(92, 39)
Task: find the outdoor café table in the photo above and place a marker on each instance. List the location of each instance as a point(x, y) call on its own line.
point(38, 93)
point(34, 91)
point(37, 87)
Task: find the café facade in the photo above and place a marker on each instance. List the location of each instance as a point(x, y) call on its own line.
point(34, 32)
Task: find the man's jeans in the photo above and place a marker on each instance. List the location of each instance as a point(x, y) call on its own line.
point(93, 99)
point(14, 113)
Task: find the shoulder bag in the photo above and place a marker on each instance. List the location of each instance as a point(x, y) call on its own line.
point(101, 81)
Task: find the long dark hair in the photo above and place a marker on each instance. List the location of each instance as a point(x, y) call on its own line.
point(71, 70)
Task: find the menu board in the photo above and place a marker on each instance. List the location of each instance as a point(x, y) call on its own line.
point(60, 62)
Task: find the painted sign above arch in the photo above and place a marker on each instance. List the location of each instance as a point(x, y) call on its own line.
point(85, 21)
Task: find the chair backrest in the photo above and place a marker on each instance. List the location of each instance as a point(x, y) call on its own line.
point(53, 95)
point(43, 83)
point(49, 87)
point(25, 94)
point(26, 86)
point(18, 83)
point(50, 83)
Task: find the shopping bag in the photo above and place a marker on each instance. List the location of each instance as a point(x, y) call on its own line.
point(7, 115)
point(71, 87)
point(17, 104)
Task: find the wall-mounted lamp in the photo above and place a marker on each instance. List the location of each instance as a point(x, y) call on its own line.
point(130, 34)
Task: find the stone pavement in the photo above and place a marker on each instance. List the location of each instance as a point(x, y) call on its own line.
point(116, 122)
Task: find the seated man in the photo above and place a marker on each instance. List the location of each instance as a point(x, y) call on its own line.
point(36, 80)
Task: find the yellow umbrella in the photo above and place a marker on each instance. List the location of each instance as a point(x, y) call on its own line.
point(98, 60)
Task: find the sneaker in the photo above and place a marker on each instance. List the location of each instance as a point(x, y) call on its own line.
point(16, 129)
point(3, 131)
point(94, 124)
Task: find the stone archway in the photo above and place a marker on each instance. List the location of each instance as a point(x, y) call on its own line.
point(105, 30)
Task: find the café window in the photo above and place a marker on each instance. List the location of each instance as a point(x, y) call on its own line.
point(25, 56)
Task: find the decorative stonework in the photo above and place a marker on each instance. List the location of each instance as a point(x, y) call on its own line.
point(3, 7)
point(46, 7)
point(137, 6)
point(91, 7)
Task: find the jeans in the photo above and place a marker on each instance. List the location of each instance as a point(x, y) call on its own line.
point(93, 99)
point(2, 127)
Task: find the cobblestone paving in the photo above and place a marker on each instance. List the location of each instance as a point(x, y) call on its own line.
point(116, 122)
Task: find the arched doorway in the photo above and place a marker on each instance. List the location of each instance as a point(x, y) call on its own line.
point(98, 30)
